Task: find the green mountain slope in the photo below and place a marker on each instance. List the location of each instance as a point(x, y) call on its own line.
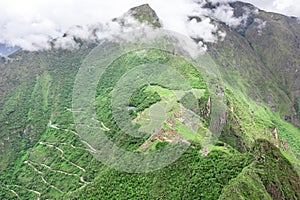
point(256, 157)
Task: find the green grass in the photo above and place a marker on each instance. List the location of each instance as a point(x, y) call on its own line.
point(188, 133)
point(229, 171)
point(153, 118)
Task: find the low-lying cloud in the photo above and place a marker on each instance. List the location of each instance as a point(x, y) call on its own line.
point(32, 24)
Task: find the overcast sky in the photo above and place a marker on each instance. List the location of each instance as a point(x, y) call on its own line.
point(23, 21)
point(287, 7)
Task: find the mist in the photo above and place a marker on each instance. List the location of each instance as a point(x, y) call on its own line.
point(32, 24)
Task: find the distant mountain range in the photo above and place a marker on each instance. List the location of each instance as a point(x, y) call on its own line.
point(6, 50)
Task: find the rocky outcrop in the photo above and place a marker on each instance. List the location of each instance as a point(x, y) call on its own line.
point(206, 110)
point(143, 13)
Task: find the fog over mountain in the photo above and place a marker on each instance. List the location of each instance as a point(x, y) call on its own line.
point(33, 23)
point(102, 102)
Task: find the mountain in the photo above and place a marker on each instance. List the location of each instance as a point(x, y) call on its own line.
point(6, 50)
point(256, 156)
point(273, 40)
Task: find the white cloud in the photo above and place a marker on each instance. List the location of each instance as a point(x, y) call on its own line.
point(225, 13)
point(260, 25)
point(204, 29)
point(289, 7)
point(286, 7)
point(24, 23)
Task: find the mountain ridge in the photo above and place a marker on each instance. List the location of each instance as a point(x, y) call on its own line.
point(43, 157)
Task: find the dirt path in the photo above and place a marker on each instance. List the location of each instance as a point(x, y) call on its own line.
point(14, 192)
point(19, 186)
point(62, 155)
point(30, 163)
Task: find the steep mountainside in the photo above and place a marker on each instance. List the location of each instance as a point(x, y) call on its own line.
point(257, 155)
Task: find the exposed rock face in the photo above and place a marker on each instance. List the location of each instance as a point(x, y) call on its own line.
point(245, 11)
point(239, 8)
point(206, 111)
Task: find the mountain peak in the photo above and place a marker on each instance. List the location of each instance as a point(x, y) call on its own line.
point(144, 13)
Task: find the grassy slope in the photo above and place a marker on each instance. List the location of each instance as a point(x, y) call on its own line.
point(59, 166)
point(278, 48)
point(270, 176)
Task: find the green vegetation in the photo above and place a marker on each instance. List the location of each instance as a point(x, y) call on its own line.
point(189, 177)
point(143, 99)
point(58, 165)
point(145, 14)
point(256, 156)
point(271, 176)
